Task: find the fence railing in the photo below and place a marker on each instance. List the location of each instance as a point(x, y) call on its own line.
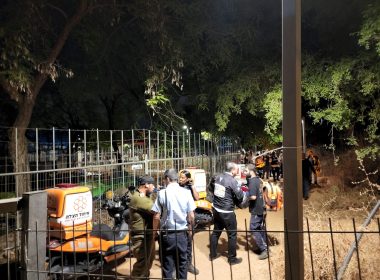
point(56, 155)
point(100, 160)
point(102, 163)
point(324, 251)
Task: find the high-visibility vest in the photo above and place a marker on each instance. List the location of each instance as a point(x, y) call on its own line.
point(274, 193)
point(260, 163)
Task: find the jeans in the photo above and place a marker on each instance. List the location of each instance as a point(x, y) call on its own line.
point(257, 223)
point(174, 254)
point(224, 221)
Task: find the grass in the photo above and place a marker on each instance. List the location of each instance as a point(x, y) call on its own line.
point(4, 195)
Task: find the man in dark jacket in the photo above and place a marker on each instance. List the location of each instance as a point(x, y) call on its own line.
point(227, 194)
point(307, 171)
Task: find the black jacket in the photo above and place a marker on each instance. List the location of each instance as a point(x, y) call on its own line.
point(307, 169)
point(226, 192)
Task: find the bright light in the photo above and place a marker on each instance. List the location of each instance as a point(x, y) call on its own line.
point(184, 127)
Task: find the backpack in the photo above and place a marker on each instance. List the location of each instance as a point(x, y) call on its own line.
point(274, 194)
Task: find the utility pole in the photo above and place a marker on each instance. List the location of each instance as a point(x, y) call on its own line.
point(291, 129)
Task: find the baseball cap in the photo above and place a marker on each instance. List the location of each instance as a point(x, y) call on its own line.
point(146, 180)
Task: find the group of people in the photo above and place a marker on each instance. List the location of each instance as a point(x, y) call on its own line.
point(169, 218)
point(228, 195)
point(268, 164)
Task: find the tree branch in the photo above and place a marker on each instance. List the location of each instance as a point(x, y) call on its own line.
point(108, 40)
point(62, 12)
point(58, 46)
point(9, 89)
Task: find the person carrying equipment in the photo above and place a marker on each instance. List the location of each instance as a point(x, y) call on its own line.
point(273, 196)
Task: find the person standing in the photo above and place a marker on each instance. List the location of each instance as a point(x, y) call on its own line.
point(174, 214)
point(275, 165)
point(307, 171)
point(257, 210)
point(317, 169)
point(227, 194)
point(267, 167)
point(281, 161)
point(141, 228)
point(185, 182)
point(260, 164)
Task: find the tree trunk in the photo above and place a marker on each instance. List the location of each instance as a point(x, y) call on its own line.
point(18, 149)
point(18, 146)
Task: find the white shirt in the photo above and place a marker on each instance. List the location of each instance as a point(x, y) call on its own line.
point(179, 203)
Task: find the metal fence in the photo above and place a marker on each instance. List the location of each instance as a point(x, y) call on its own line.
point(100, 160)
point(326, 251)
point(102, 157)
point(112, 160)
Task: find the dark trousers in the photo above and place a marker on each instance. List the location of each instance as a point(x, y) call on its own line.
point(257, 223)
point(260, 172)
point(267, 170)
point(189, 249)
point(174, 254)
point(305, 187)
point(276, 173)
point(224, 221)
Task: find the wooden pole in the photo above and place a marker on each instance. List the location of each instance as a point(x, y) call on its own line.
point(291, 129)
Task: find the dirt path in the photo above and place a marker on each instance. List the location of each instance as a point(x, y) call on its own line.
point(250, 268)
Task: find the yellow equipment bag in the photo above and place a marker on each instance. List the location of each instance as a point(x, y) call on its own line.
point(274, 197)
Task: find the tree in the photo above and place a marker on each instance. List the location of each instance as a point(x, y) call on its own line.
point(229, 59)
point(369, 33)
point(32, 39)
point(369, 37)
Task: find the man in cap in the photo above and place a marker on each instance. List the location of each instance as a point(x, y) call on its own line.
point(141, 228)
point(174, 211)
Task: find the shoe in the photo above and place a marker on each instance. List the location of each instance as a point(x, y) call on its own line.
point(263, 255)
point(214, 257)
point(192, 269)
point(235, 261)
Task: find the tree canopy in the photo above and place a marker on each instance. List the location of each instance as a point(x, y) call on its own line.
point(215, 65)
